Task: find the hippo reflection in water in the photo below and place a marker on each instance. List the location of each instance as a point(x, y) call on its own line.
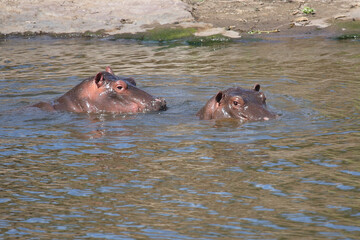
point(106, 92)
point(238, 103)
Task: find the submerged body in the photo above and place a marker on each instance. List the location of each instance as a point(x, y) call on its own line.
point(106, 92)
point(238, 103)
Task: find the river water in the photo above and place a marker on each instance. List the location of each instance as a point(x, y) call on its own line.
point(169, 175)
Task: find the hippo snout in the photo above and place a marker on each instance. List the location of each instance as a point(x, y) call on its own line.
point(159, 104)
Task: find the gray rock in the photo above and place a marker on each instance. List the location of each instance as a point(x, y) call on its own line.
point(114, 17)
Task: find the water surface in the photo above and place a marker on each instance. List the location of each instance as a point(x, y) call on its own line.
point(169, 175)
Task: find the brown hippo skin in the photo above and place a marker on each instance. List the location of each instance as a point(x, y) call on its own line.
point(106, 92)
point(238, 103)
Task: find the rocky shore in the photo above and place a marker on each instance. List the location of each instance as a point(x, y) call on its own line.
point(208, 17)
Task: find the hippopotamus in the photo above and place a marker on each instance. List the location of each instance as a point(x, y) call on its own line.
point(237, 103)
point(106, 92)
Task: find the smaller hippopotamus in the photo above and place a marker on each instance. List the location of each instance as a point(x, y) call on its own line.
point(106, 92)
point(238, 103)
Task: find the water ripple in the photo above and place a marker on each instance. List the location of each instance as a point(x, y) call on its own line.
point(169, 175)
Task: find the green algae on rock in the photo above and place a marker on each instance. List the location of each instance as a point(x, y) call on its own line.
point(348, 36)
point(208, 40)
point(158, 34)
point(168, 34)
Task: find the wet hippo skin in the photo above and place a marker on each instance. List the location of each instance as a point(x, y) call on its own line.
point(106, 92)
point(238, 103)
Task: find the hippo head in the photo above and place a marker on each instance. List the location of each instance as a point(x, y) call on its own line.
point(238, 103)
point(107, 92)
point(120, 95)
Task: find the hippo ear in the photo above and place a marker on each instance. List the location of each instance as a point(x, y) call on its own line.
point(99, 79)
point(219, 96)
point(256, 87)
point(109, 70)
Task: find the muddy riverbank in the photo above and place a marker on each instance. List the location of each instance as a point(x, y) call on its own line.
point(285, 17)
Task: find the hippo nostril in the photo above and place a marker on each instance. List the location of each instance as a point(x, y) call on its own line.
point(163, 107)
point(159, 103)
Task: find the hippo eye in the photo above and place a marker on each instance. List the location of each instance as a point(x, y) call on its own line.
point(237, 102)
point(120, 86)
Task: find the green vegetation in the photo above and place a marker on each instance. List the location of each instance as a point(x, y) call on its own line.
point(175, 36)
point(158, 34)
point(168, 34)
point(348, 36)
point(209, 40)
point(308, 10)
point(349, 29)
point(99, 33)
point(162, 35)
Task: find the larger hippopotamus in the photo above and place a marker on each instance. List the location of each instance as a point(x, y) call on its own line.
point(238, 103)
point(106, 92)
